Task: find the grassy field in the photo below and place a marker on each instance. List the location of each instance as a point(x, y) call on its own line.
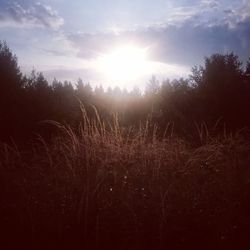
point(100, 186)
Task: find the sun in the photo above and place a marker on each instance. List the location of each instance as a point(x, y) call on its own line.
point(124, 63)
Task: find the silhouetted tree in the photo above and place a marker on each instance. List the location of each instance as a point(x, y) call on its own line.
point(99, 91)
point(152, 87)
point(247, 71)
point(10, 74)
point(11, 93)
point(219, 89)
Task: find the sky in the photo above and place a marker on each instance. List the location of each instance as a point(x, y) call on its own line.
point(66, 39)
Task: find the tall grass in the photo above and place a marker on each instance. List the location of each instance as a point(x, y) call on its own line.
point(101, 186)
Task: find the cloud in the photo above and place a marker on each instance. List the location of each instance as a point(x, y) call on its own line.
point(185, 36)
point(94, 45)
point(228, 12)
point(180, 14)
point(185, 44)
point(70, 74)
point(237, 15)
point(190, 44)
point(211, 4)
point(14, 13)
point(54, 52)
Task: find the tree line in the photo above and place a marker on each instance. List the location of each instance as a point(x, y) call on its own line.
point(216, 94)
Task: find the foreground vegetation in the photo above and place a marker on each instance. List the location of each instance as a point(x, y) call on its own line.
point(98, 188)
point(94, 169)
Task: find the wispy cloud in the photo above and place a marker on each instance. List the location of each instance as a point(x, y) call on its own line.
point(235, 16)
point(180, 14)
point(14, 13)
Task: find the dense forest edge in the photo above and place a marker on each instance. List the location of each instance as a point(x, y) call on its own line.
point(84, 168)
point(215, 94)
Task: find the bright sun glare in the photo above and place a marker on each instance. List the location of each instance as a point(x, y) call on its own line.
point(124, 63)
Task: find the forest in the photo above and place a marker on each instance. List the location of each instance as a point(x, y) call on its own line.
point(92, 168)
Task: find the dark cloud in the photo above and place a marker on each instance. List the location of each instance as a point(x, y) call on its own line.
point(25, 13)
point(228, 11)
point(189, 45)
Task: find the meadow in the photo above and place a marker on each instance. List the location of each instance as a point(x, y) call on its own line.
point(99, 187)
